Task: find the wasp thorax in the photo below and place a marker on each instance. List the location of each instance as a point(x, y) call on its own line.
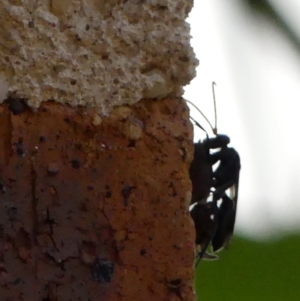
point(219, 141)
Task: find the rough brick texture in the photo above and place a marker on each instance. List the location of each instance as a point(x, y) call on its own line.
point(96, 209)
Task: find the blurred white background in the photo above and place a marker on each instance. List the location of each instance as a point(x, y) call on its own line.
point(257, 71)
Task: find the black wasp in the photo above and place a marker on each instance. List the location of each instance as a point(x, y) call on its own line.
point(214, 171)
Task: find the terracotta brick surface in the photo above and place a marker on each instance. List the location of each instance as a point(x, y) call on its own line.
point(96, 209)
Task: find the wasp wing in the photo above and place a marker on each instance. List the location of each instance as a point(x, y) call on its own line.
point(226, 218)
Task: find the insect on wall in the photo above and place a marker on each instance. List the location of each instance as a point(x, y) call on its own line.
point(214, 173)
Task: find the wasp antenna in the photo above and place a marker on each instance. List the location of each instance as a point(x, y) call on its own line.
point(215, 130)
point(202, 116)
point(198, 125)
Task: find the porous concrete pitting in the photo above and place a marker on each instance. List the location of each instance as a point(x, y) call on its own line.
point(95, 53)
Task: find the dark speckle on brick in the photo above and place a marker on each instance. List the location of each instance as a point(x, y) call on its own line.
point(108, 194)
point(131, 143)
point(1, 231)
point(2, 186)
point(19, 148)
point(102, 270)
point(42, 138)
point(143, 251)
point(16, 106)
point(75, 163)
point(52, 169)
point(126, 190)
point(17, 281)
point(12, 213)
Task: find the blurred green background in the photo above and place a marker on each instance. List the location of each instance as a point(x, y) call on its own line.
point(251, 270)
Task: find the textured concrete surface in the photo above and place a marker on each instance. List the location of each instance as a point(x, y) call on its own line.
point(96, 209)
point(96, 53)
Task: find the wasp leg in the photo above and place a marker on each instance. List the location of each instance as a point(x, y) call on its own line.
point(229, 162)
point(220, 190)
point(205, 218)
